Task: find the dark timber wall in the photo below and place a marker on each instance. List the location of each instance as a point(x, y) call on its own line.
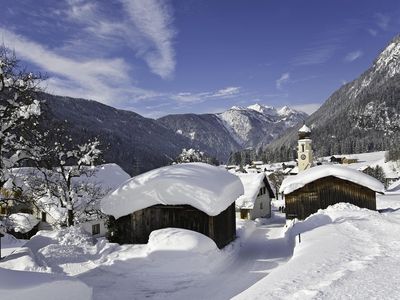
point(324, 192)
point(136, 228)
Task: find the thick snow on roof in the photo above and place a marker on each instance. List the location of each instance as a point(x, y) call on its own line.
point(108, 176)
point(252, 184)
point(21, 222)
point(205, 187)
point(304, 128)
point(293, 183)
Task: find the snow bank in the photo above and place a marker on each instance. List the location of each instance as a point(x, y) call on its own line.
point(292, 183)
point(22, 259)
point(394, 187)
point(21, 222)
point(252, 184)
point(183, 251)
point(19, 285)
point(205, 187)
point(177, 239)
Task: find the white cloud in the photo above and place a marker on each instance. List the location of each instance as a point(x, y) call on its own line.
point(227, 92)
point(308, 108)
point(317, 53)
point(153, 19)
point(145, 26)
point(352, 56)
point(188, 97)
point(282, 80)
point(105, 80)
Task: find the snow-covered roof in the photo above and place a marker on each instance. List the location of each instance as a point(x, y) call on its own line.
point(304, 128)
point(252, 184)
point(22, 222)
point(205, 187)
point(108, 176)
point(292, 183)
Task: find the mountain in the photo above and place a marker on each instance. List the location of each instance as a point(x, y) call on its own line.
point(361, 116)
point(134, 142)
point(205, 129)
point(237, 128)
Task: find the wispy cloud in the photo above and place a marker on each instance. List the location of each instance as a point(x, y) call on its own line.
point(145, 26)
point(318, 53)
point(227, 92)
point(382, 21)
point(104, 80)
point(282, 80)
point(153, 19)
point(189, 97)
point(372, 32)
point(352, 56)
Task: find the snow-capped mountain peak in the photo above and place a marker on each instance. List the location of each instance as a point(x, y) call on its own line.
point(263, 109)
point(286, 111)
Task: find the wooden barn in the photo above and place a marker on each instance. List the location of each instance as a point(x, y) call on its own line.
point(192, 196)
point(321, 186)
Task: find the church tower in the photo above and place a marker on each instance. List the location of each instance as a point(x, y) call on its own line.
point(304, 150)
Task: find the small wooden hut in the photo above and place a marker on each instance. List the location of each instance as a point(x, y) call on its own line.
point(321, 186)
point(193, 196)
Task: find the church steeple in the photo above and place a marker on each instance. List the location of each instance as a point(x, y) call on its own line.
point(304, 150)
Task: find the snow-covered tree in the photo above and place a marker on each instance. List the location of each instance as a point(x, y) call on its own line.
point(19, 110)
point(192, 155)
point(62, 166)
point(377, 173)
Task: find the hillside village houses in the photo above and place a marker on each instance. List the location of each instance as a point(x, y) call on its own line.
point(256, 200)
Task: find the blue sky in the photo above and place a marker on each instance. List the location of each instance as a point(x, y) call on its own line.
point(165, 57)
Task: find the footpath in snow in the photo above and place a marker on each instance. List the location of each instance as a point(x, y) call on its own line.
point(345, 252)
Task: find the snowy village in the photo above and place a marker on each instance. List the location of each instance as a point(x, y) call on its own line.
point(156, 149)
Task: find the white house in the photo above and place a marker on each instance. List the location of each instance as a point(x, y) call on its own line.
point(256, 201)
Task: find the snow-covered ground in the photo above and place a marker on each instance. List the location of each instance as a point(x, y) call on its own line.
point(345, 252)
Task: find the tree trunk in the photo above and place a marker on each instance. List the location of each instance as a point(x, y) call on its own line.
point(70, 217)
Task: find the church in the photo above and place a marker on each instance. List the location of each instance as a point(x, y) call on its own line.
point(317, 187)
point(304, 150)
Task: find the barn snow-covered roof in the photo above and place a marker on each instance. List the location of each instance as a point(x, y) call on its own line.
point(293, 183)
point(205, 187)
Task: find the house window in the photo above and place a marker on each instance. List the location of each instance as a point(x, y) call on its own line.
point(261, 205)
point(302, 147)
point(95, 229)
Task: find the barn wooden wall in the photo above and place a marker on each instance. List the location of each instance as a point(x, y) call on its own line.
point(324, 192)
point(136, 228)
